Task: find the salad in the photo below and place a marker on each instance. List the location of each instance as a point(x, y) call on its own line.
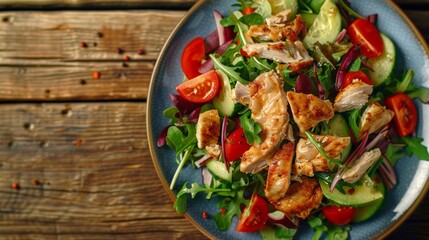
point(294, 112)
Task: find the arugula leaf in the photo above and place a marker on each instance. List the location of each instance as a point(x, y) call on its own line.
point(414, 146)
point(277, 232)
point(406, 81)
point(251, 128)
point(324, 75)
point(394, 153)
point(230, 71)
point(252, 19)
point(181, 197)
point(337, 233)
point(232, 206)
point(180, 138)
point(354, 119)
point(172, 113)
point(317, 225)
point(332, 232)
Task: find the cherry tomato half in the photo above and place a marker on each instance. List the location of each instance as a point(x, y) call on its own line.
point(359, 75)
point(192, 56)
point(364, 34)
point(339, 215)
point(248, 10)
point(405, 113)
point(253, 217)
point(200, 89)
point(235, 145)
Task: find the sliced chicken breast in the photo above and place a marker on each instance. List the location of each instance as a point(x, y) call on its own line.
point(355, 95)
point(208, 130)
point(269, 108)
point(293, 54)
point(362, 164)
point(277, 28)
point(374, 118)
point(308, 158)
point(301, 198)
point(278, 179)
point(308, 110)
point(241, 94)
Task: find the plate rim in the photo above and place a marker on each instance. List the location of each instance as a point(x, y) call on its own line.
point(152, 146)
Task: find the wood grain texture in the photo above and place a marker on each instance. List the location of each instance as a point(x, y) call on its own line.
point(95, 3)
point(42, 58)
point(103, 189)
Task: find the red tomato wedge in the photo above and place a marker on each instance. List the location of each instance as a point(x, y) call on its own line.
point(339, 215)
point(248, 10)
point(405, 113)
point(363, 33)
point(201, 89)
point(192, 56)
point(253, 217)
point(235, 145)
point(359, 75)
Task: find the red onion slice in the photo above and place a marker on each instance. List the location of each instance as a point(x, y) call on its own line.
point(225, 34)
point(206, 177)
point(350, 56)
point(202, 161)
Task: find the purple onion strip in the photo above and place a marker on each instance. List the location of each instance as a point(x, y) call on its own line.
point(162, 138)
point(350, 56)
point(206, 177)
point(341, 35)
point(202, 161)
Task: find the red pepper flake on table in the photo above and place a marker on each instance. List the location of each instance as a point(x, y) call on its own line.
point(96, 75)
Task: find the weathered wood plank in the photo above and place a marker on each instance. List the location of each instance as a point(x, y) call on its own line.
point(41, 56)
point(103, 189)
point(57, 36)
point(96, 3)
point(75, 81)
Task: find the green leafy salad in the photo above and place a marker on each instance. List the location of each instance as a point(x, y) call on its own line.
point(295, 113)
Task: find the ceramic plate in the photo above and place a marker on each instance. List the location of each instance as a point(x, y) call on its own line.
point(412, 174)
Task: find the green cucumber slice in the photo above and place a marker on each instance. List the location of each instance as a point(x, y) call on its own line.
point(384, 64)
point(361, 195)
point(218, 169)
point(326, 26)
point(224, 102)
point(366, 212)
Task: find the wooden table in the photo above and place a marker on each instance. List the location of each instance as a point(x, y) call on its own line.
point(76, 144)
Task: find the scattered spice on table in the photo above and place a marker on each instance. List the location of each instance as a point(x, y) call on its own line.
point(141, 51)
point(205, 215)
point(126, 58)
point(79, 142)
point(35, 182)
point(96, 75)
point(120, 50)
point(83, 44)
point(16, 186)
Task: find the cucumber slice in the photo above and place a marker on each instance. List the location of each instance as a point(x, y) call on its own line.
point(308, 18)
point(218, 169)
point(366, 212)
point(361, 195)
point(338, 127)
point(384, 64)
point(326, 26)
point(281, 5)
point(224, 102)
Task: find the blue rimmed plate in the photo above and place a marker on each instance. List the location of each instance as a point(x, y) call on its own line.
point(412, 174)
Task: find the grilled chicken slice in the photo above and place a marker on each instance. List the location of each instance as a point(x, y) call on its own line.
point(241, 94)
point(301, 198)
point(208, 131)
point(362, 164)
point(278, 179)
point(277, 28)
point(269, 108)
point(353, 96)
point(374, 118)
point(308, 158)
point(308, 110)
point(293, 54)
